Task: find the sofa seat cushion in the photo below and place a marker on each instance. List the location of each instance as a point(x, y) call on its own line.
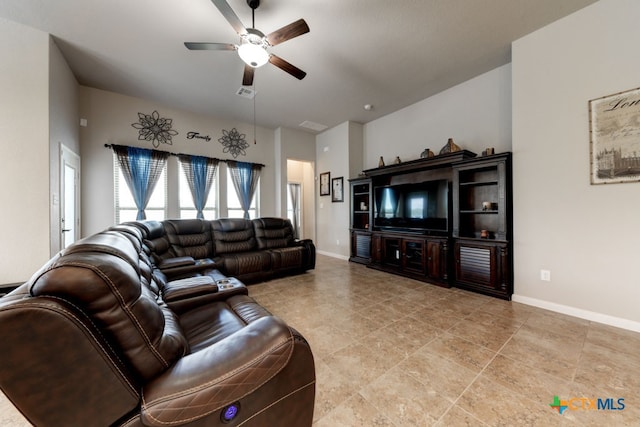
point(244, 263)
point(210, 323)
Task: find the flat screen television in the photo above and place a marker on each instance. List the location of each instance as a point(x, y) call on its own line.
point(416, 207)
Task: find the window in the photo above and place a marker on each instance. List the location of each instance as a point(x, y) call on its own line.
point(389, 203)
point(234, 210)
point(293, 206)
point(125, 206)
point(187, 208)
point(417, 206)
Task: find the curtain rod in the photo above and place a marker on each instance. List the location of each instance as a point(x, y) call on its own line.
point(181, 154)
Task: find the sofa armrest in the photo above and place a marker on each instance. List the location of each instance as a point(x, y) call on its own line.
point(182, 261)
point(189, 287)
point(186, 294)
point(180, 267)
point(202, 383)
point(311, 252)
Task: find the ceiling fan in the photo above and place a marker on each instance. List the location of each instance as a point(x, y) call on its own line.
point(253, 49)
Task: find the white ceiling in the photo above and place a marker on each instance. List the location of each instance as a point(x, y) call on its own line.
point(387, 53)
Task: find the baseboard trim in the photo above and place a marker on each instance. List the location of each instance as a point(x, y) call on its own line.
point(332, 255)
point(578, 312)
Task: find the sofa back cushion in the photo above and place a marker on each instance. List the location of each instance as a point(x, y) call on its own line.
point(273, 233)
point(189, 237)
point(145, 263)
point(101, 275)
point(155, 239)
point(232, 235)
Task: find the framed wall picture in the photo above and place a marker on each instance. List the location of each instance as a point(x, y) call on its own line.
point(337, 185)
point(614, 128)
point(325, 188)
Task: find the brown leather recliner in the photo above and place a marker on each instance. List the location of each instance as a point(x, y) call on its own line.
point(90, 340)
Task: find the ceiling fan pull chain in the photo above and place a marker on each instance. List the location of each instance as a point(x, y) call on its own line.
point(254, 114)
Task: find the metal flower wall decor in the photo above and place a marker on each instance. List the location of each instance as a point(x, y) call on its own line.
point(152, 127)
point(234, 142)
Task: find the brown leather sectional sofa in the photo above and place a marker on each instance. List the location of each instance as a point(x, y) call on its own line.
point(249, 250)
point(101, 336)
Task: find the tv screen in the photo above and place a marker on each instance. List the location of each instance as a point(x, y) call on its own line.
point(412, 207)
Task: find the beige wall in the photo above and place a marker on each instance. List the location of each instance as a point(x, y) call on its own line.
point(24, 139)
point(587, 236)
point(476, 114)
point(64, 129)
point(334, 154)
point(109, 117)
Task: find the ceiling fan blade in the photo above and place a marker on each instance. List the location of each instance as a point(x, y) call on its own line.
point(209, 46)
point(288, 32)
point(230, 16)
point(247, 77)
point(287, 67)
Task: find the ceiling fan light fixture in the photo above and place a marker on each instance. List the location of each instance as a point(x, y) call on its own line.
point(254, 44)
point(254, 49)
point(253, 55)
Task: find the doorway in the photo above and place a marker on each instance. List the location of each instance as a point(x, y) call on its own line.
point(300, 197)
point(69, 196)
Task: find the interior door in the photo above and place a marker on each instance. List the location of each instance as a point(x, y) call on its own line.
point(70, 197)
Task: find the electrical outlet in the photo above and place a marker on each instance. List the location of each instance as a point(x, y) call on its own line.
point(337, 242)
point(545, 275)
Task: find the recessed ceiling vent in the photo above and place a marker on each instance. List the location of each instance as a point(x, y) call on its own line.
point(246, 93)
point(313, 126)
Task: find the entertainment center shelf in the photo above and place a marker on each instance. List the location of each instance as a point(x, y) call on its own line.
point(361, 205)
point(445, 220)
point(480, 202)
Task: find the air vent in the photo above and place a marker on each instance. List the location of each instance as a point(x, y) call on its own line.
point(246, 93)
point(313, 126)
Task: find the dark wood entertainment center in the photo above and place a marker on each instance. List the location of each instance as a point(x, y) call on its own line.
point(467, 243)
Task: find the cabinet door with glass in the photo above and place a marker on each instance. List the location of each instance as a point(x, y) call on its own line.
point(392, 251)
point(413, 255)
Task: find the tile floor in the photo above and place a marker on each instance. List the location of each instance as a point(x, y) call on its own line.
point(392, 351)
